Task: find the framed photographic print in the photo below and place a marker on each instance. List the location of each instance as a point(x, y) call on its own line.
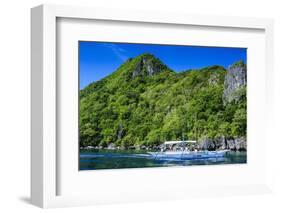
point(148, 105)
point(140, 112)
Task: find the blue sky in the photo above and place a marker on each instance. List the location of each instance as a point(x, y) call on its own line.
point(99, 59)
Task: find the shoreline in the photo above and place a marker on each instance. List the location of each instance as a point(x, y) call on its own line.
point(150, 149)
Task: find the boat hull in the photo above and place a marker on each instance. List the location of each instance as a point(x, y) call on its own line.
point(188, 155)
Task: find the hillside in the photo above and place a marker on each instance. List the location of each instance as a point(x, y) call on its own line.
point(144, 103)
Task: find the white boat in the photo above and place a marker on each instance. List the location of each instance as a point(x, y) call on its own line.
point(180, 150)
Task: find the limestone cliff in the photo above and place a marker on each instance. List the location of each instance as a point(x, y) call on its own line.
point(235, 81)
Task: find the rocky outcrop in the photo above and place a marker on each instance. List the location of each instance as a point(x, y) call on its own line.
point(235, 79)
point(148, 65)
point(214, 79)
point(235, 144)
point(120, 132)
point(111, 146)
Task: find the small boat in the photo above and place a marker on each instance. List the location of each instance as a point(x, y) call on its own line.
point(179, 150)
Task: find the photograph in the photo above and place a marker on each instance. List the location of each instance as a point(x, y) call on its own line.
point(161, 105)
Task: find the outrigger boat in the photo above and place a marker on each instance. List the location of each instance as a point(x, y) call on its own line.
point(180, 150)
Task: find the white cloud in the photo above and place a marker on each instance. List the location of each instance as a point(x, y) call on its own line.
point(118, 51)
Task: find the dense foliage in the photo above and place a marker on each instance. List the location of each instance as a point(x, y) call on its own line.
point(136, 107)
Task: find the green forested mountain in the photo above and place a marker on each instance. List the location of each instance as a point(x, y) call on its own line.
point(144, 103)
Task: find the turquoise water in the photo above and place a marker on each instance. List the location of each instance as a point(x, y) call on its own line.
point(117, 159)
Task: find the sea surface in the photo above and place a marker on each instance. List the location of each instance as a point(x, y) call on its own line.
point(119, 159)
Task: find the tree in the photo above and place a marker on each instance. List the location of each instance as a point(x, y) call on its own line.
point(239, 124)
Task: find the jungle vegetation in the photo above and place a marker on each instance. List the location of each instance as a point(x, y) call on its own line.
point(144, 103)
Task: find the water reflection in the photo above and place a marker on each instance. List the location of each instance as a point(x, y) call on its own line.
point(116, 159)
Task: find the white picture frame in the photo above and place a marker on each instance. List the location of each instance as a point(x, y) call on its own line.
point(45, 168)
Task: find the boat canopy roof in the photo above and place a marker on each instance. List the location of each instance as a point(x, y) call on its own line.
point(178, 142)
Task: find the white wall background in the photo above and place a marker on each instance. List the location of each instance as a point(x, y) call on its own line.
point(15, 103)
